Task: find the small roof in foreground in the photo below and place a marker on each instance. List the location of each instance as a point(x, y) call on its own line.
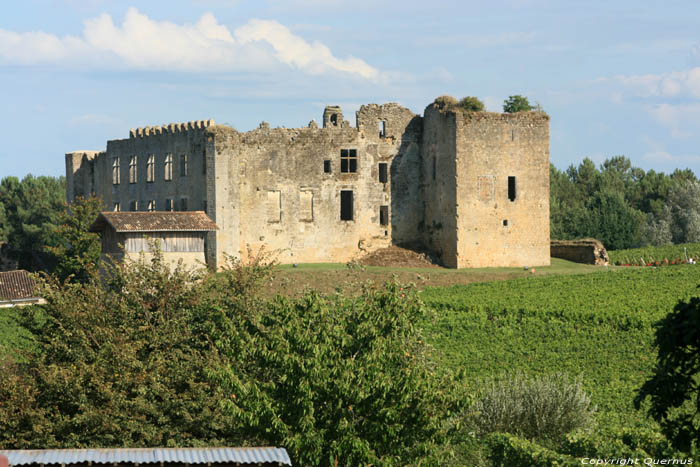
point(16, 285)
point(263, 455)
point(155, 221)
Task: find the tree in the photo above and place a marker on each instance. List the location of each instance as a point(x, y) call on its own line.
point(32, 207)
point(517, 103)
point(471, 104)
point(674, 390)
point(79, 250)
point(148, 356)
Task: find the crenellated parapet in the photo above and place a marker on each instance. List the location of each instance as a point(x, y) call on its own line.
point(171, 128)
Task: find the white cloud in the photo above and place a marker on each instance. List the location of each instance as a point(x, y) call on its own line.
point(145, 44)
point(672, 84)
point(683, 120)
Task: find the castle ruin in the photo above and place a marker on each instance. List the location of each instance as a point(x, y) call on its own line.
point(472, 187)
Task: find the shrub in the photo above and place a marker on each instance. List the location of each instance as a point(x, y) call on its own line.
point(445, 102)
point(506, 450)
point(518, 103)
point(471, 104)
point(543, 408)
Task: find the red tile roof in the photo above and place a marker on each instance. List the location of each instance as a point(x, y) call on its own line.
point(16, 285)
point(157, 221)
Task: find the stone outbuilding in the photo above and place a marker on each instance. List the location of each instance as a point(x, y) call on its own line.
point(470, 187)
point(181, 236)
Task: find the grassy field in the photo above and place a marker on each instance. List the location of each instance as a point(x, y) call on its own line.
point(599, 326)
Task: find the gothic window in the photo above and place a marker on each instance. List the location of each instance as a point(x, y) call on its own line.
point(150, 168)
point(168, 167)
point(184, 169)
point(152, 205)
point(133, 169)
point(115, 171)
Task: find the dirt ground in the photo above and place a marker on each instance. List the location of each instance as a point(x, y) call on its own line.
point(407, 266)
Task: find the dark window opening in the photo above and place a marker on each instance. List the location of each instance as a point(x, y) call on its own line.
point(348, 160)
point(184, 168)
point(134, 206)
point(334, 119)
point(383, 215)
point(434, 168)
point(327, 166)
point(184, 204)
point(382, 129)
point(383, 172)
point(169, 205)
point(505, 222)
point(511, 188)
point(346, 205)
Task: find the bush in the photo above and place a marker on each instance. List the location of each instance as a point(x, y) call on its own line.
point(542, 408)
point(471, 104)
point(445, 102)
point(518, 103)
point(508, 450)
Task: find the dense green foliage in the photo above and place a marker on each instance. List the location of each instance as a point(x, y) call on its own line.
point(674, 389)
point(624, 206)
point(507, 450)
point(676, 254)
point(78, 250)
point(29, 215)
point(599, 326)
point(471, 104)
point(517, 103)
point(151, 357)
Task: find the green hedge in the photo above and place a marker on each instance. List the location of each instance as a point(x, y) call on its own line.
point(508, 450)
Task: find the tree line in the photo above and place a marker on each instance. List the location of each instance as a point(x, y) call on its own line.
point(624, 206)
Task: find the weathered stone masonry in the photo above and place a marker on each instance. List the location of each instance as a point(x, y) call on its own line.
point(472, 187)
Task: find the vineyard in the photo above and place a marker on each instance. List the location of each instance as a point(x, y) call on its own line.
point(656, 255)
point(596, 326)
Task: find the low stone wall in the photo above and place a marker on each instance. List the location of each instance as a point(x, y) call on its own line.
point(586, 251)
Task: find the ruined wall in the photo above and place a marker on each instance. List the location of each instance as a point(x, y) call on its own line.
point(439, 168)
point(81, 179)
point(586, 251)
point(492, 228)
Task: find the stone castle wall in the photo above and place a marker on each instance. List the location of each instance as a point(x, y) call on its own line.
point(502, 222)
point(280, 189)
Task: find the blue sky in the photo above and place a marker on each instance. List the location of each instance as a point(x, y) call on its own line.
point(616, 78)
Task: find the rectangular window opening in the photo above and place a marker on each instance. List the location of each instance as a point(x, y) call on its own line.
point(327, 166)
point(346, 206)
point(150, 168)
point(434, 168)
point(115, 171)
point(116, 207)
point(383, 215)
point(184, 169)
point(151, 205)
point(382, 129)
point(383, 172)
point(348, 160)
point(134, 206)
point(184, 204)
point(511, 188)
point(168, 176)
point(132, 169)
point(169, 205)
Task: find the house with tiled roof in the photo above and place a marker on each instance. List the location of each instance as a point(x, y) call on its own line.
point(180, 235)
point(17, 289)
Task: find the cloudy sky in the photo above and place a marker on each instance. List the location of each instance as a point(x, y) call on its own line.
point(615, 77)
